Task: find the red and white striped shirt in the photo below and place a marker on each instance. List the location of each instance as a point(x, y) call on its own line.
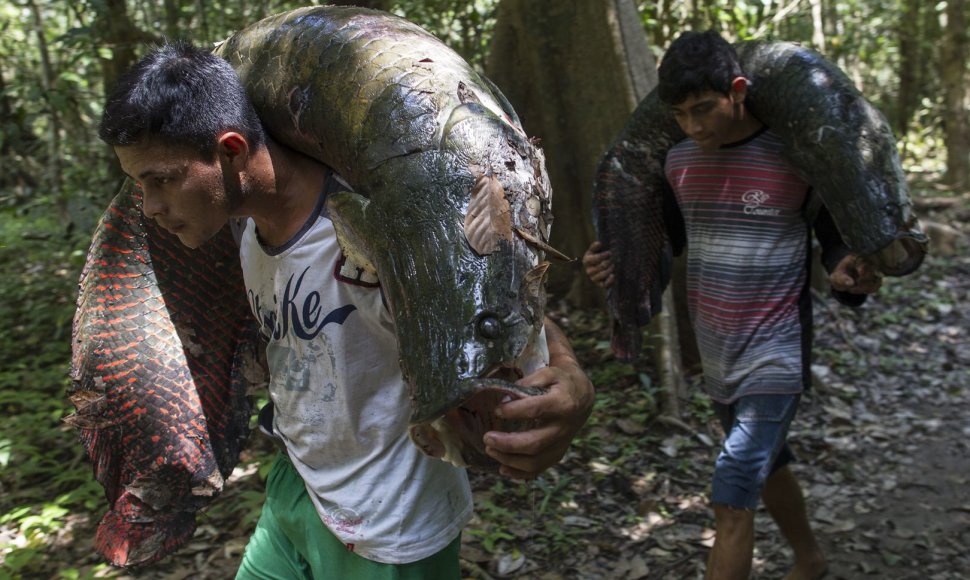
point(748, 249)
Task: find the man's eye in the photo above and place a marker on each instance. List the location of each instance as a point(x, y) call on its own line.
point(161, 181)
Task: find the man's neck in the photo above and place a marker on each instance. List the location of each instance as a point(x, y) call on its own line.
point(745, 127)
point(288, 187)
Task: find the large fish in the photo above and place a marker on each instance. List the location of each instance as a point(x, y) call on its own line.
point(450, 207)
point(165, 350)
point(833, 138)
point(450, 204)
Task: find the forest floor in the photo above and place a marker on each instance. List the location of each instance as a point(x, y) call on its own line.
point(883, 442)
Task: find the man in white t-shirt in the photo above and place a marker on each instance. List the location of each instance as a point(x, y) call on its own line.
point(351, 497)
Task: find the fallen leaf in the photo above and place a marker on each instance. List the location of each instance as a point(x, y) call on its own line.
point(488, 219)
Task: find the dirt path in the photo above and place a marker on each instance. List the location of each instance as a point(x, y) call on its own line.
point(889, 476)
point(884, 448)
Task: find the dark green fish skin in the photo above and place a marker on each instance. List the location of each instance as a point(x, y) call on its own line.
point(841, 144)
point(630, 199)
point(834, 139)
point(412, 127)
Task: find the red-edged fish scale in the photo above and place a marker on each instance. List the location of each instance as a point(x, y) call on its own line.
point(161, 336)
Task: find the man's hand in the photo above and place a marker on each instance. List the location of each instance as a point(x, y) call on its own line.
point(855, 275)
point(599, 266)
point(557, 415)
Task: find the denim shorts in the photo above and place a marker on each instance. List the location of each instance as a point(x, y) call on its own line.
point(756, 427)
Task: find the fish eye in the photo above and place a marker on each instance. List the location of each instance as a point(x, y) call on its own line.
point(488, 326)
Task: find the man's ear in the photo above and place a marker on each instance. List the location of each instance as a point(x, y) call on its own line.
point(739, 89)
point(233, 149)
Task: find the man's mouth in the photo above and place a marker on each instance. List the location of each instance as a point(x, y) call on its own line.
point(172, 228)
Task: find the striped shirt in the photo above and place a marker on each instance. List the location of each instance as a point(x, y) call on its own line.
point(748, 246)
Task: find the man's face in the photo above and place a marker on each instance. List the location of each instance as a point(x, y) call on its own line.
point(708, 118)
point(183, 192)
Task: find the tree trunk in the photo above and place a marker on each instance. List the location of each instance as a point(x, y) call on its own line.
point(114, 30)
point(53, 177)
point(909, 64)
point(574, 72)
point(818, 26)
point(955, 94)
point(173, 12)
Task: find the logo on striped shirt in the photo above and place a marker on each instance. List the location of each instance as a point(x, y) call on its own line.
point(753, 200)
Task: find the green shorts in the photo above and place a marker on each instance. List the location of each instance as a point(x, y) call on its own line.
point(291, 542)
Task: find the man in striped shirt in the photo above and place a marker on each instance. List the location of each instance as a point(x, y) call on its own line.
point(747, 293)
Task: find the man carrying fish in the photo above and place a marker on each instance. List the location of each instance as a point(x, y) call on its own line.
point(351, 496)
point(743, 210)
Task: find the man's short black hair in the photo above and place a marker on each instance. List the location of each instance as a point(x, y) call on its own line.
point(696, 62)
point(181, 95)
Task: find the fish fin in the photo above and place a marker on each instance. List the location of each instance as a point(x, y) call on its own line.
point(536, 242)
point(535, 278)
point(488, 220)
point(90, 410)
point(533, 289)
point(348, 212)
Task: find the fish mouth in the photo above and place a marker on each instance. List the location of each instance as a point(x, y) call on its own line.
point(455, 434)
point(903, 255)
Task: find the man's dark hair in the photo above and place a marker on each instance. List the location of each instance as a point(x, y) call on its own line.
point(179, 94)
point(696, 62)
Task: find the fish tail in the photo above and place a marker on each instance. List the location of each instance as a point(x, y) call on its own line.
point(139, 539)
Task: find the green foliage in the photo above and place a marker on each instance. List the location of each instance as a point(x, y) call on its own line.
point(42, 473)
point(464, 26)
point(612, 374)
point(502, 529)
point(700, 406)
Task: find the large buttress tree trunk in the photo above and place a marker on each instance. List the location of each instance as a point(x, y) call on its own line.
point(574, 71)
point(910, 53)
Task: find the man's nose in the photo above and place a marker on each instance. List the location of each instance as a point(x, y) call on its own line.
point(151, 205)
point(694, 126)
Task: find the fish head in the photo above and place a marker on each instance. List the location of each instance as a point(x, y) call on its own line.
point(900, 246)
point(465, 288)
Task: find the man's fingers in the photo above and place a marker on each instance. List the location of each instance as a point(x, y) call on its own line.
point(841, 281)
point(523, 455)
point(531, 408)
point(524, 443)
point(856, 275)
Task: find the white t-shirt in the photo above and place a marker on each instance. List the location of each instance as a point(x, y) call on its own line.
point(341, 405)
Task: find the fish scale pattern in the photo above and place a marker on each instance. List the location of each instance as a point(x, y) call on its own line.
point(629, 210)
point(160, 408)
point(837, 141)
